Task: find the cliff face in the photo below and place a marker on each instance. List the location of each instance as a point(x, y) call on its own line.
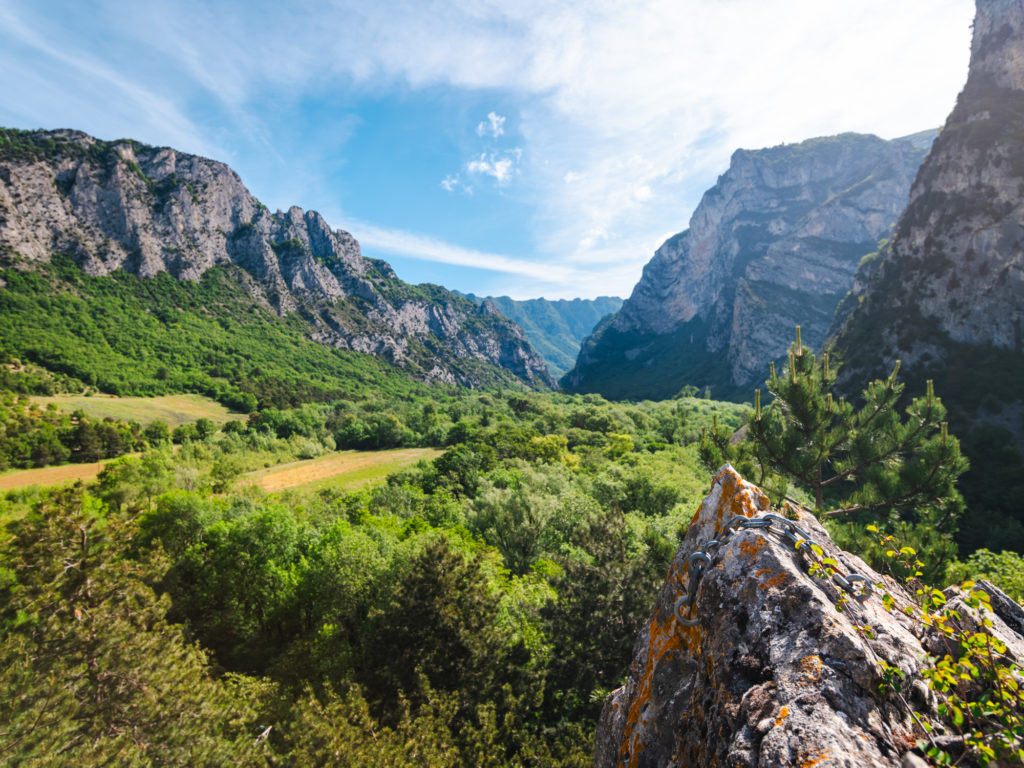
point(145, 210)
point(775, 243)
point(770, 673)
point(947, 298)
point(955, 268)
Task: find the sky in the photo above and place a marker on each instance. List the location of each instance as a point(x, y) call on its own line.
point(501, 147)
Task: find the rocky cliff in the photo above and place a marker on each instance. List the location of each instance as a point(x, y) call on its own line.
point(126, 206)
point(947, 298)
point(762, 670)
point(774, 244)
point(555, 328)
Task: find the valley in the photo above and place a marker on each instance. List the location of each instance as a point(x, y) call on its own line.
point(266, 503)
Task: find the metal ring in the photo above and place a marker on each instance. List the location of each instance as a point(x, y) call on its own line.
point(840, 581)
point(865, 590)
point(683, 601)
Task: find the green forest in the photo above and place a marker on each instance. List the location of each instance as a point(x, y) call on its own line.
point(472, 610)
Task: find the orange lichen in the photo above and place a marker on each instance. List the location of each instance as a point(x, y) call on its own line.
point(811, 666)
point(783, 714)
point(751, 548)
point(775, 581)
point(810, 762)
point(668, 636)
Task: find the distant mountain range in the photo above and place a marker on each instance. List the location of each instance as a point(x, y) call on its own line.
point(774, 244)
point(555, 328)
point(124, 207)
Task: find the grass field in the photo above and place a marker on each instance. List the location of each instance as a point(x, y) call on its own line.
point(58, 475)
point(173, 409)
point(349, 470)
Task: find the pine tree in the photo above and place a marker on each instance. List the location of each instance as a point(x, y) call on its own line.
point(863, 463)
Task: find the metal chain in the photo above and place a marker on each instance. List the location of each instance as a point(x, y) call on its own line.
point(699, 562)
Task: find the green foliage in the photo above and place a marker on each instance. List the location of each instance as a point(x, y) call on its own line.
point(976, 683)
point(482, 604)
point(1005, 570)
point(31, 437)
point(212, 339)
point(859, 464)
point(89, 667)
point(604, 599)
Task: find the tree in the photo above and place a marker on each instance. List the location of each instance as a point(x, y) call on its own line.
point(90, 670)
point(441, 625)
point(604, 597)
point(858, 463)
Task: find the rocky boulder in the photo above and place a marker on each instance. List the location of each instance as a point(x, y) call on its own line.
point(770, 673)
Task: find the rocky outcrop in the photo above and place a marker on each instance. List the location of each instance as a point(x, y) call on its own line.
point(947, 298)
point(127, 206)
point(770, 674)
point(774, 244)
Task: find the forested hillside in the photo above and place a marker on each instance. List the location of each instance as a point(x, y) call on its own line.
point(555, 328)
point(473, 610)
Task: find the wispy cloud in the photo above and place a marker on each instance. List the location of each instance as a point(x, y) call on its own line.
point(161, 112)
point(494, 126)
point(427, 248)
point(625, 112)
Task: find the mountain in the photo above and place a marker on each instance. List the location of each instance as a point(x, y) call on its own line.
point(774, 244)
point(947, 296)
point(124, 207)
point(555, 328)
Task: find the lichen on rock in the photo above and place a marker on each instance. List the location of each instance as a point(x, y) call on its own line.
point(772, 674)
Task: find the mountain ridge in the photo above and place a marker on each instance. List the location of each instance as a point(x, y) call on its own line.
point(775, 243)
point(947, 296)
point(124, 205)
point(555, 327)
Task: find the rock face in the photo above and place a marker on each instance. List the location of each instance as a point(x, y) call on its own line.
point(771, 674)
point(775, 243)
point(947, 298)
point(954, 271)
point(145, 210)
point(555, 328)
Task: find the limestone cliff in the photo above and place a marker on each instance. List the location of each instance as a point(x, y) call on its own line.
point(770, 673)
point(947, 298)
point(774, 244)
point(124, 205)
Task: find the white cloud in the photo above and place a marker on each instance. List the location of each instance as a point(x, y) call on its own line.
point(642, 193)
point(430, 249)
point(493, 127)
point(644, 100)
point(450, 182)
point(501, 168)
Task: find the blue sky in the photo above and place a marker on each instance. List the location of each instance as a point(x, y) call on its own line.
point(523, 148)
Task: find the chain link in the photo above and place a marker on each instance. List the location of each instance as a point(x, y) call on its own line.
point(697, 564)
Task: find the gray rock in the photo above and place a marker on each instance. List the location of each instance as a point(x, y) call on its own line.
point(772, 674)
